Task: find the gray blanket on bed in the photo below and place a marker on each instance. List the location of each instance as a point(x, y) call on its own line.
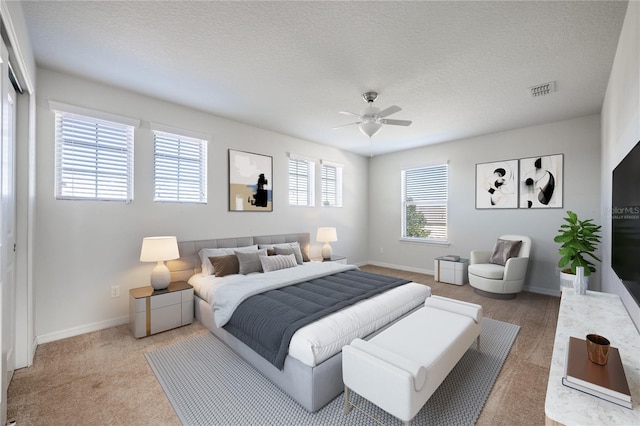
point(267, 321)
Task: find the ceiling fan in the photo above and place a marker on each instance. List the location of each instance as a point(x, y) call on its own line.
point(371, 120)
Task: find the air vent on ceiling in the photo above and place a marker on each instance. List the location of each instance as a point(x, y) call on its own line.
point(543, 89)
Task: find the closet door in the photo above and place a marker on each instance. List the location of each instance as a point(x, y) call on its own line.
point(7, 231)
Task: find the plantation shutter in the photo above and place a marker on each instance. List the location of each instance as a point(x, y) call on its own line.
point(301, 181)
point(180, 168)
point(331, 184)
point(426, 189)
point(94, 157)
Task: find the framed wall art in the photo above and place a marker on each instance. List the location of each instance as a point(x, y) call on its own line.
point(250, 182)
point(541, 182)
point(497, 185)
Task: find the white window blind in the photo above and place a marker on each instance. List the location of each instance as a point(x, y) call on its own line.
point(180, 168)
point(424, 206)
point(331, 184)
point(94, 158)
point(301, 181)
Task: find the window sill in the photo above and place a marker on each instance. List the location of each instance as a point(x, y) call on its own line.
point(424, 241)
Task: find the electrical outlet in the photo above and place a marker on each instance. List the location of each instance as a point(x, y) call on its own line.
point(115, 291)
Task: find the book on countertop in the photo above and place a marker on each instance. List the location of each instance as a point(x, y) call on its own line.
point(451, 257)
point(604, 381)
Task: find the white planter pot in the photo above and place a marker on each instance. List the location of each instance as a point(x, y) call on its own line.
point(566, 280)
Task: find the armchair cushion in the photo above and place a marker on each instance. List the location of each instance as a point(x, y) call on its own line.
point(504, 250)
point(487, 270)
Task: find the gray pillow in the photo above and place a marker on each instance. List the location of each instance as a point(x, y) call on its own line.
point(279, 261)
point(295, 246)
point(504, 250)
point(250, 261)
point(289, 250)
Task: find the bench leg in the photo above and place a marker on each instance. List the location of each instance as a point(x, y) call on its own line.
point(478, 343)
point(347, 404)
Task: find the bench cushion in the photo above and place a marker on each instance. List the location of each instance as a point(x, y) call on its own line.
point(445, 331)
point(400, 368)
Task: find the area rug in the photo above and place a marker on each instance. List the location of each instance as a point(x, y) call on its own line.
point(208, 384)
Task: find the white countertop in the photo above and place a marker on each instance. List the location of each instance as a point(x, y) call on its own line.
point(602, 314)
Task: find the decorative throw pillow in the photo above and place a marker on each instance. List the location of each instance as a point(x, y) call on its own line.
point(250, 262)
point(285, 250)
point(295, 246)
point(504, 250)
point(206, 253)
point(279, 261)
point(225, 265)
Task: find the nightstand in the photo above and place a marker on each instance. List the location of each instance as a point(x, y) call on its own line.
point(336, 259)
point(153, 311)
point(451, 271)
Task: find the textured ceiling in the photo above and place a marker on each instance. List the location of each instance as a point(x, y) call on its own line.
point(457, 69)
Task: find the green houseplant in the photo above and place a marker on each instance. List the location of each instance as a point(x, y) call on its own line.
point(578, 241)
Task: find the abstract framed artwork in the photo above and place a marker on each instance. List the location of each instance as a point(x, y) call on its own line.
point(497, 185)
point(250, 186)
point(541, 182)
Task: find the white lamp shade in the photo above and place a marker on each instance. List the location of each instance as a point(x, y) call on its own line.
point(159, 249)
point(326, 234)
point(370, 128)
point(156, 249)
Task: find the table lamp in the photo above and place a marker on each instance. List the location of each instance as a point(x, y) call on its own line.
point(159, 249)
point(326, 235)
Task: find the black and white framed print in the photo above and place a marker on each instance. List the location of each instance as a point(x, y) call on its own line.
point(541, 181)
point(497, 185)
point(250, 186)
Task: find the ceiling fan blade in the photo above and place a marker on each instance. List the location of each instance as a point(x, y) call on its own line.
point(396, 122)
point(345, 125)
point(391, 110)
point(349, 113)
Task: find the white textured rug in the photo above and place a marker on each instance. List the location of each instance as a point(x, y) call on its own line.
point(208, 384)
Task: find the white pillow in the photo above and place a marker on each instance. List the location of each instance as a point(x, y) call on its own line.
point(294, 247)
point(206, 253)
point(279, 261)
point(250, 262)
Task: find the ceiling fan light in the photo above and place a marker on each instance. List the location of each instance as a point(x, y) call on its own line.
point(370, 128)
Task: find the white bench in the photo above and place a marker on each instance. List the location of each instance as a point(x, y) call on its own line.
point(399, 369)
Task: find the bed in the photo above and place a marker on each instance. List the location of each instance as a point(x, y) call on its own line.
point(311, 372)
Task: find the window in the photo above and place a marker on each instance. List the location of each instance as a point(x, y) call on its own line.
point(301, 181)
point(94, 155)
point(424, 206)
point(331, 184)
point(180, 168)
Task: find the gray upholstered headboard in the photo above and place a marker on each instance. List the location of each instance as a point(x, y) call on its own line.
point(189, 262)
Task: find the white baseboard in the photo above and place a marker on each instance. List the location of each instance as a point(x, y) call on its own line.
point(81, 329)
point(400, 267)
point(530, 288)
point(542, 290)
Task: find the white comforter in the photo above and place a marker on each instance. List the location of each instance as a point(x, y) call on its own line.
point(324, 338)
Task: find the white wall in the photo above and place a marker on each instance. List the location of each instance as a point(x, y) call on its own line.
point(579, 141)
point(85, 247)
point(620, 133)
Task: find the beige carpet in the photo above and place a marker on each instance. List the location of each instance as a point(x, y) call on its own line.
point(103, 378)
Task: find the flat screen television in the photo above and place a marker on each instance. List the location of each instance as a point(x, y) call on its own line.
point(625, 222)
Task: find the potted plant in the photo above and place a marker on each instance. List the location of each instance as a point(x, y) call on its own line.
point(578, 241)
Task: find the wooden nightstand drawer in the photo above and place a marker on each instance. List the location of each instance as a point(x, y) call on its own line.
point(166, 318)
point(162, 300)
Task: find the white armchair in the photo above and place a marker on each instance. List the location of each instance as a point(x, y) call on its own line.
point(500, 281)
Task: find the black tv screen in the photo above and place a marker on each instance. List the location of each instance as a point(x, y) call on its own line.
point(625, 222)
